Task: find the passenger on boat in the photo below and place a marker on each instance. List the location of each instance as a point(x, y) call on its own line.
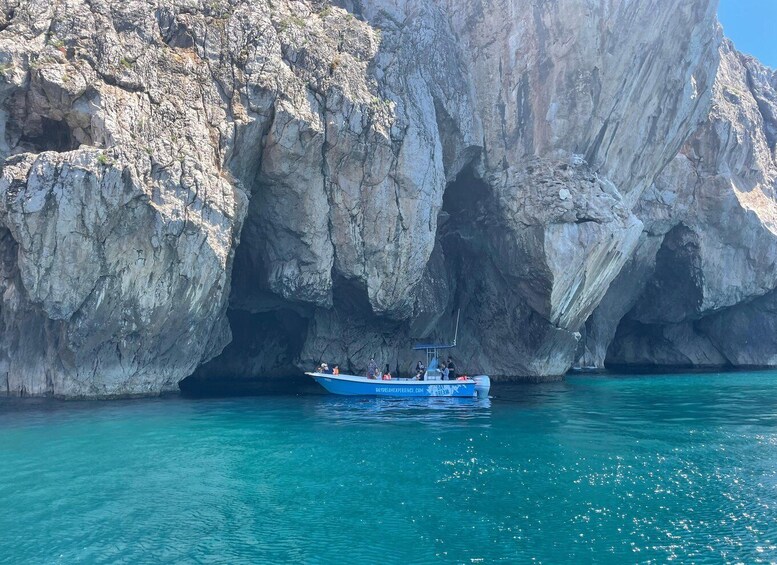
point(372, 369)
point(420, 369)
point(336, 370)
point(387, 374)
point(325, 369)
point(451, 369)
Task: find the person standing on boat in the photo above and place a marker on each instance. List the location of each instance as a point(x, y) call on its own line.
point(451, 369)
point(372, 369)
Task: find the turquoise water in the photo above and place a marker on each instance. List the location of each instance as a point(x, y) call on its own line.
point(606, 469)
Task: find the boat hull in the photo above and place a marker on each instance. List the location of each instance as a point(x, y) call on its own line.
point(351, 385)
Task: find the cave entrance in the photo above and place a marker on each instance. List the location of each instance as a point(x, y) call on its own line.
point(50, 135)
point(674, 293)
point(661, 329)
point(260, 358)
point(268, 332)
point(467, 194)
point(459, 259)
point(465, 207)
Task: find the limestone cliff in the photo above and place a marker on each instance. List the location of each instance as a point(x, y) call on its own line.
point(702, 293)
point(232, 189)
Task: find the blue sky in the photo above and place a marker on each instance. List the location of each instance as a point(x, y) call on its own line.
point(752, 25)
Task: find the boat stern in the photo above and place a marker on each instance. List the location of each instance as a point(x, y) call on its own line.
point(482, 385)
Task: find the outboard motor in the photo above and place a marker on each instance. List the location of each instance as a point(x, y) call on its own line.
point(482, 385)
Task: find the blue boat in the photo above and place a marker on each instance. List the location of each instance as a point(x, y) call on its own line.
point(353, 385)
point(432, 384)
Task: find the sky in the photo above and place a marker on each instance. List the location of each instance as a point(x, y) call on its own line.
point(752, 26)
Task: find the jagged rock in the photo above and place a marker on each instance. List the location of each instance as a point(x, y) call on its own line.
point(732, 208)
point(715, 208)
point(584, 78)
point(549, 268)
point(123, 223)
point(360, 173)
point(131, 293)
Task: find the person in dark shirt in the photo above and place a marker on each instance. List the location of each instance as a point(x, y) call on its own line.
point(372, 369)
point(451, 369)
point(420, 369)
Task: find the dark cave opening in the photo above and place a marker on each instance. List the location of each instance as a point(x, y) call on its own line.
point(674, 292)
point(349, 296)
point(268, 332)
point(461, 225)
point(50, 135)
point(467, 194)
point(662, 330)
point(455, 279)
point(657, 348)
point(501, 297)
point(259, 359)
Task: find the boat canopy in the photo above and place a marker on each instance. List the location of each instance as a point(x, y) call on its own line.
point(430, 346)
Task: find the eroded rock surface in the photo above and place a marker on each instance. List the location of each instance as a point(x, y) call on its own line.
point(539, 225)
point(337, 181)
point(714, 210)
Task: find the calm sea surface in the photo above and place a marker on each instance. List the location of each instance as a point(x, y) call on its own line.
point(607, 469)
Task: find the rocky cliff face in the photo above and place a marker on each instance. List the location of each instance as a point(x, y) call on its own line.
point(702, 294)
point(237, 190)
